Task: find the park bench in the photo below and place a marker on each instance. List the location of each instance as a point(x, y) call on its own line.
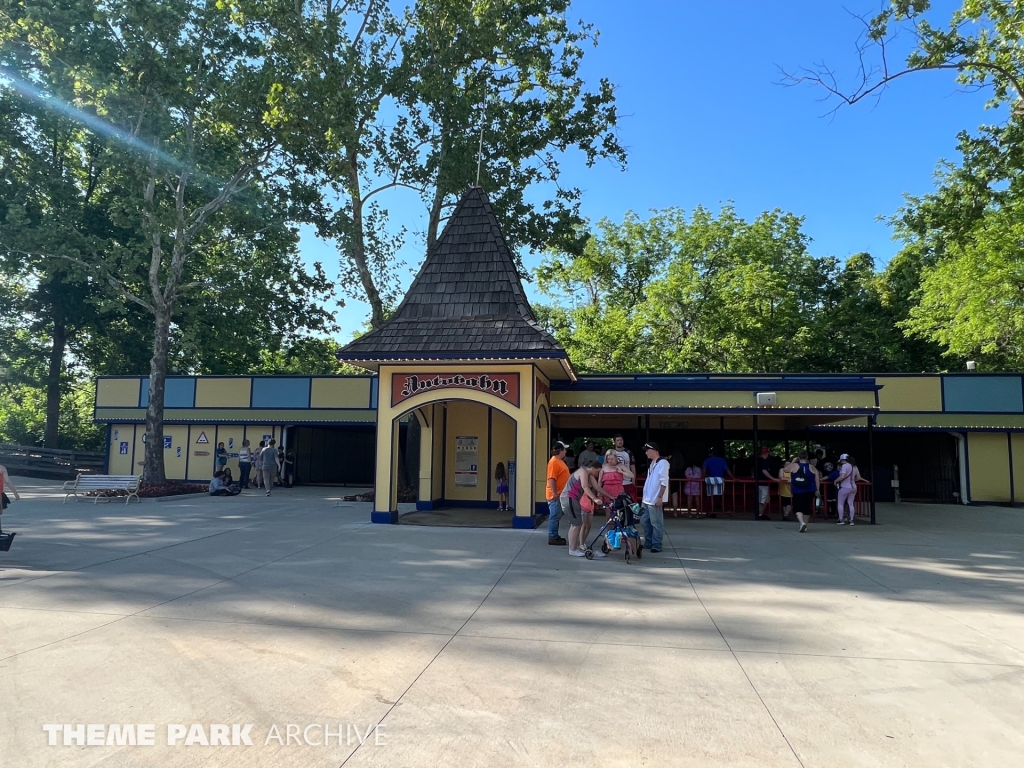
point(85, 483)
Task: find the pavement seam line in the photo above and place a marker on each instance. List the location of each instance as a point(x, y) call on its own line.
point(398, 700)
point(732, 652)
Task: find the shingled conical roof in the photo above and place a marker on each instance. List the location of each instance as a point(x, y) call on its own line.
point(467, 301)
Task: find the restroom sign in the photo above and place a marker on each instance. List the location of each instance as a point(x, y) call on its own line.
point(201, 440)
point(123, 449)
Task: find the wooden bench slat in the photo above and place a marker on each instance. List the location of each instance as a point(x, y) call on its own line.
point(128, 483)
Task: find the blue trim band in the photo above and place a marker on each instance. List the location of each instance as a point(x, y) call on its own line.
point(525, 522)
point(384, 518)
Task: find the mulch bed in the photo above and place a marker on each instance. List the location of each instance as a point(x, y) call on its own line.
point(170, 488)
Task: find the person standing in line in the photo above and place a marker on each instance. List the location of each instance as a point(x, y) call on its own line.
point(846, 483)
point(785, 491)
point(804, 481)
point(557, 477)
point(715, 471)
point(694, 475)
point(611, 478)
point(588, 453)
point(269, 460)
point(655, 495)
point(764, 477)
point(220, 458)
point(244, 464)
point(626, 461)
point(257, 462)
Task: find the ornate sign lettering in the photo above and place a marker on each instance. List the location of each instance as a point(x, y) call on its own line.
point(502, 385)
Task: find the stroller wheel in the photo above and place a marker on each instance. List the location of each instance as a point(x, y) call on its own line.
point(589, 554)
point(627, 554)
point(604, 547)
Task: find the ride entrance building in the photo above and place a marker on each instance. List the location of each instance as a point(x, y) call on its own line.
point(463, 377)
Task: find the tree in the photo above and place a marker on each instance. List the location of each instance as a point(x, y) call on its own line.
point(50, 200)
point(181, 96)
point(412, 89)
point(972, 301)
point(705, 293)
point(961, 231)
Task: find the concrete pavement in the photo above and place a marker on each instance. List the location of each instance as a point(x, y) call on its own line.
point(742, 644)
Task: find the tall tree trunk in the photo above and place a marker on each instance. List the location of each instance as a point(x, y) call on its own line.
point(51, 438)
point(358, 246)
point(153, 470)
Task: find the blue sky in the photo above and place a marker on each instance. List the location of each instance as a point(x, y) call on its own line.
point(705, 121)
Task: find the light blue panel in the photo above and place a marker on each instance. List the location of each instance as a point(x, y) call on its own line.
point(269, 392)
point(178, 393)
point(373, 391)
point(982, 394)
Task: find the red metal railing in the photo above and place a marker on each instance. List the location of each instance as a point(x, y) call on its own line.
point(739, 498)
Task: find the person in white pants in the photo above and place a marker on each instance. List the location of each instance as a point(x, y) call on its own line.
point(847, 485)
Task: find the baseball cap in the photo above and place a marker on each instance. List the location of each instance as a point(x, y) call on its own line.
point(558, 445)
point(844, 457)
point(650, 446)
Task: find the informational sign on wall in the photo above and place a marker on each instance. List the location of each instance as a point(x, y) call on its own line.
point(123, 449)
point(467, 448)
point(167, 441)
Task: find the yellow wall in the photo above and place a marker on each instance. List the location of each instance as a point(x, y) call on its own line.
point(909, 393)
point(466, 419)
point(437, 476)
point(140, 450)
point(340, 393)
point(113, 393)
point(1018, 466)
point(989, 466)
point(174, 465)
point(118, 464)
point(223, 393)
point(201, 467)
point(503, 446)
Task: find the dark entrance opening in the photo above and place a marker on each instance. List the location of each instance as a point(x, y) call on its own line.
point(341, 455)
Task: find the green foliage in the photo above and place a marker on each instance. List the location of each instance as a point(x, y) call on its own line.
point(23, 416)
point(700, 292)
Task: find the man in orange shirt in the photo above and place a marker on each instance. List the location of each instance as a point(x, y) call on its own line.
point(558, 476)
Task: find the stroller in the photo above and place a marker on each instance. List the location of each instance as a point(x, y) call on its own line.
point(620, 531)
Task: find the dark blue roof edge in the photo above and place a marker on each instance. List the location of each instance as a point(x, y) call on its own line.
point(685, 382)
point(739, 410)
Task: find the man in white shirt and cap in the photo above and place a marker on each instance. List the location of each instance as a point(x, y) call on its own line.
point(654, 498)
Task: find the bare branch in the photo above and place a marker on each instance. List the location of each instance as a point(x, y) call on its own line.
point(874, 79)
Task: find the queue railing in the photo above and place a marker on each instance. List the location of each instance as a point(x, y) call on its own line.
point(740, 498)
